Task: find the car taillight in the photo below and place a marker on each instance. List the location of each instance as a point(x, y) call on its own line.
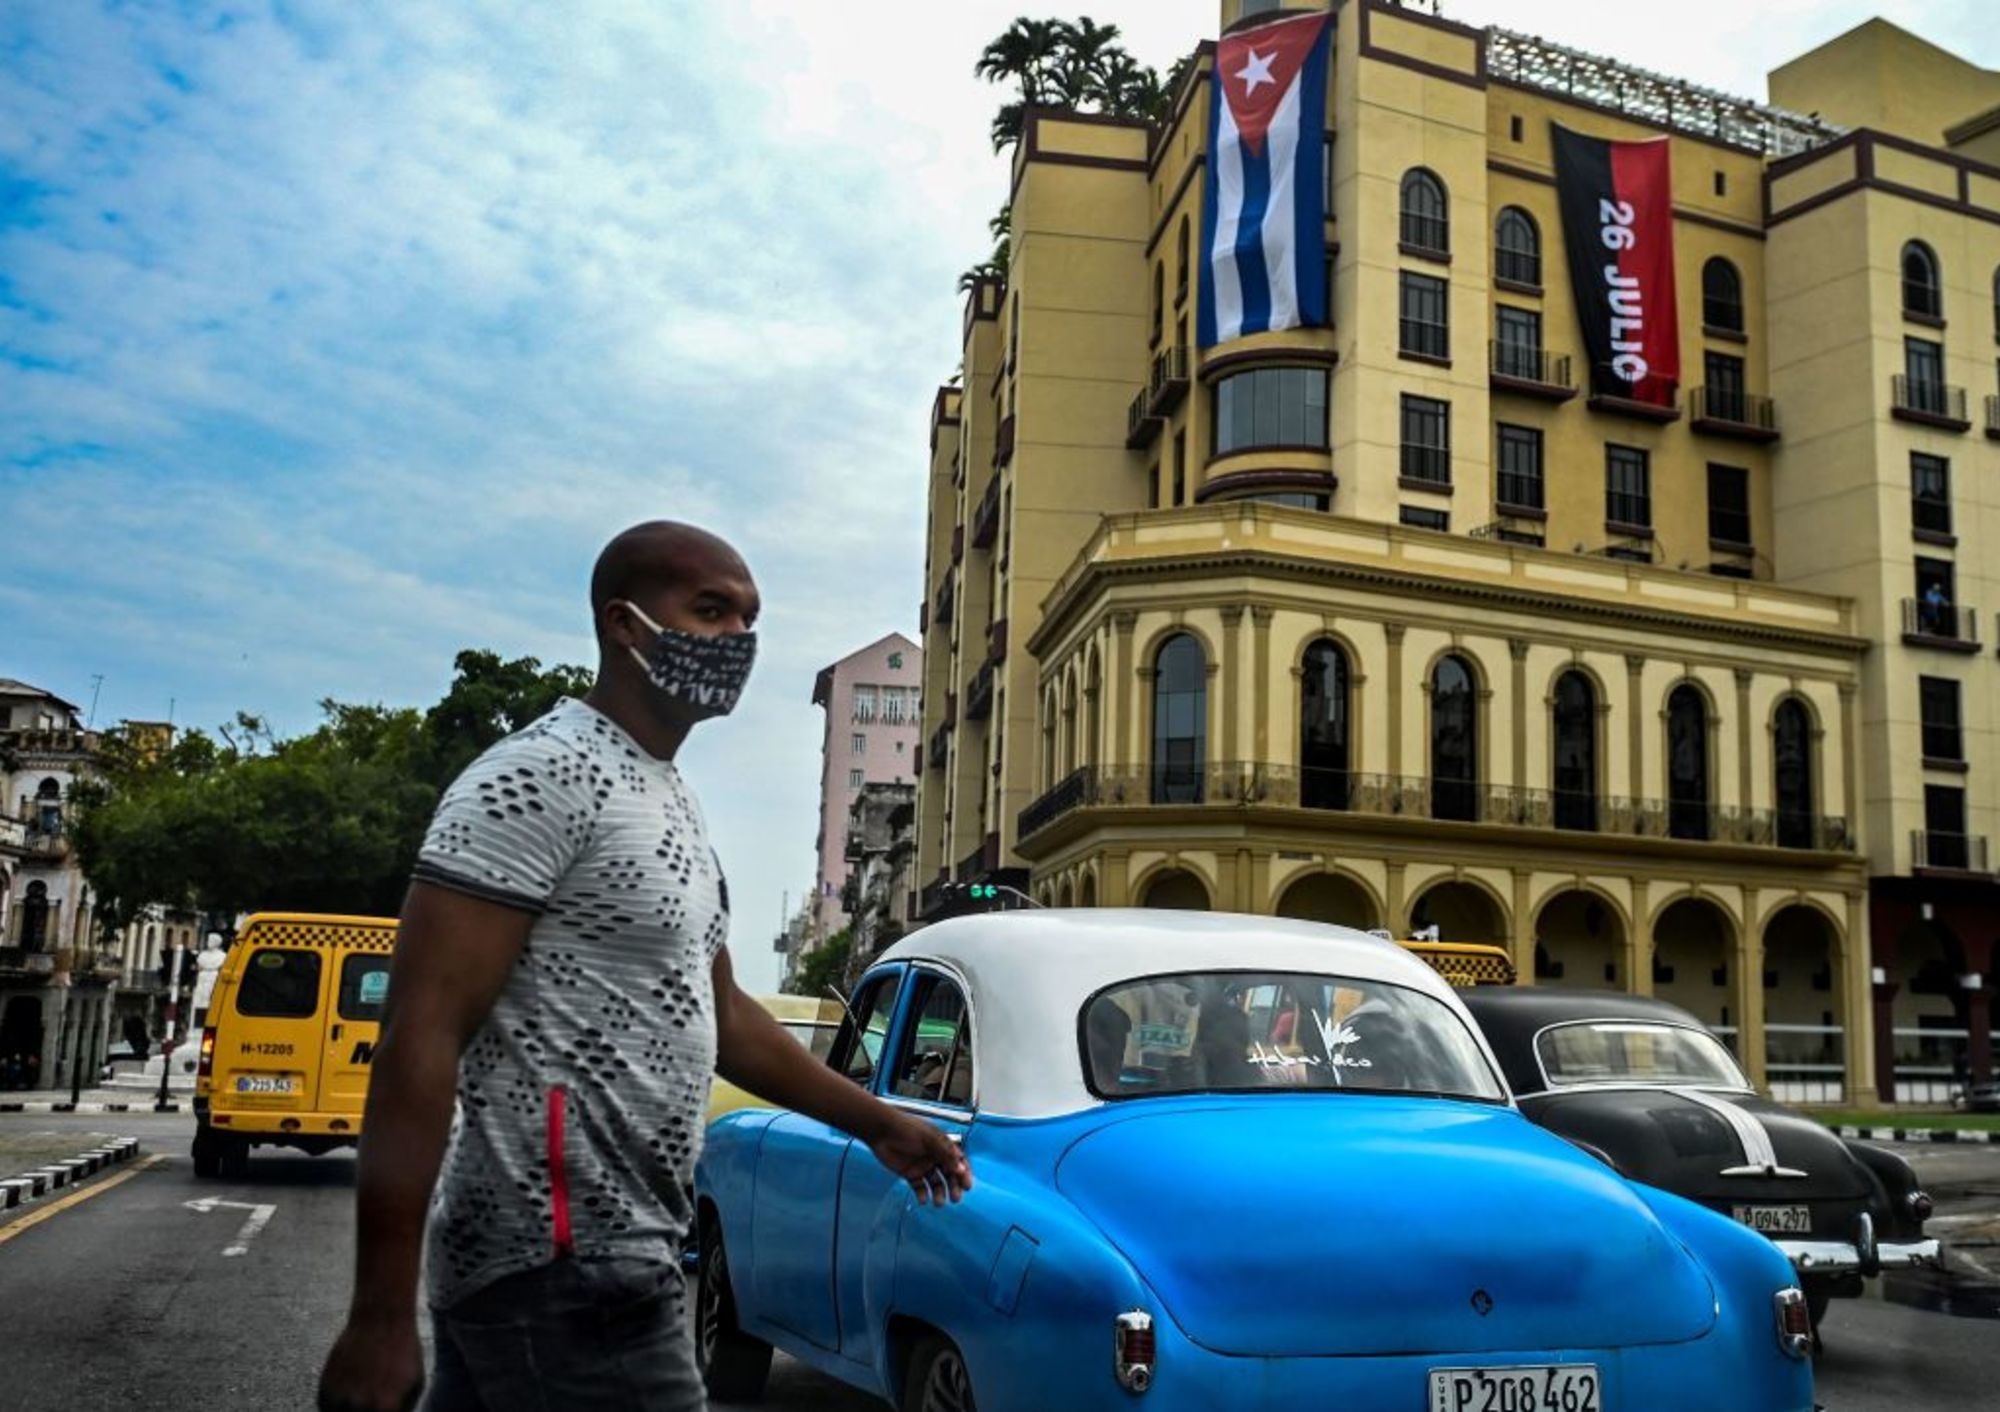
point(207, 1052)
point(1794, 1321)
point(1921, 1206)
point(1133, 1350)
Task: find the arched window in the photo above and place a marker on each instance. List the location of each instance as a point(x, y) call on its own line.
point(1517, 248)
point(1576, 752)
point(1324, 728)
point(35, 917)
point(1721, 296)
point(48, 806)
point(1923, 292)
point(1180, 720)
point(1791, 763)
point(1454, 741)
point(1426, 218)
point(1687, 764)
point(1051, 767)
point(1181, 261)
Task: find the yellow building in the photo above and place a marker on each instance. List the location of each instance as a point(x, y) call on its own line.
point(1404, 623)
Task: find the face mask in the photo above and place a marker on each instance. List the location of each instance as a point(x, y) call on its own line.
point(705, 675)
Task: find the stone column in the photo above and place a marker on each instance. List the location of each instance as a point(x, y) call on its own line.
point(1639, 943)
point(1392, 898)
point(1745, 736)
point(1124, 709)
point(1524, 925)
point(1263, 706)
point(1635, 736)
point(1859, 1018)
point(1115, 879)
point(1393, 632)
point(1748, 989)
point(1517, 650)
point(1232, 688)
point(1850, 761)
point(1883, 1060)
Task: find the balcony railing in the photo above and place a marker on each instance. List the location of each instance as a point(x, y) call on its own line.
point(986, 519)
point(1508, 806)
point(1516, 367)
point(1730, 411)
point(1944, 625)
point(1003, 442)
point(52, 844)
point(19, 960)
point(1521, 492)
point(979, 695)
point(1166, 385)
point(947, 594)
point(996, 641)
point(1928, 401)
point(1425, 234)
point(13, 835)
point(1950, 852)
point(940, 746)
point(49, 742)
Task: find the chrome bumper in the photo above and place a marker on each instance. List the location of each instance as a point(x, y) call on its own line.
point(1840, 1257)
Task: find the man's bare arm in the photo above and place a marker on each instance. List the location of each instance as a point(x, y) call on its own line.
point(454, 952)
point(754, 1052)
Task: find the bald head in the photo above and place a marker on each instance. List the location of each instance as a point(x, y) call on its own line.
point(664, 566)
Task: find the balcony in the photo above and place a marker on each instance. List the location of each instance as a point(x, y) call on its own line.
point(947, 595)
point(940, 746)
point(957, 545)
point(19, 962)
point(981, 861)
point(51, 845)
point(50, 742)
point(13, 836)
point(979, 695)
point(1003, 442)
point(1611, 395)
point(1531, 372)
point(996, 642)
point(1927, 403)
point(1253, 785)
point(1993, 417)
point(1945, 627)
point(1728, 411)
point(1166, 387)
point(1948, 852)
point(986, 519)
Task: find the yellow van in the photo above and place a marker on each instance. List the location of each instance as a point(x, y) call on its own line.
point(290, 1032)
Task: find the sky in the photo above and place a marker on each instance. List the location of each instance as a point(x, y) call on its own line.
point(336, 337)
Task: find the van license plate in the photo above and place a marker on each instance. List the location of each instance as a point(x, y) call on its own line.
point(1534, 1387)
point(264, 1083)
point(1775, 1220)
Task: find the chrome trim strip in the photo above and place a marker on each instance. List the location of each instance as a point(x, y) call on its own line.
point(1760, 1157)
point(1836, 1257)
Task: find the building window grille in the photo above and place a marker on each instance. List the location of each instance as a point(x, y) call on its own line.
point(1180, 720)
point(1325, 744)
point(1426, 440)
point(1521, 484)
point(1792, 768)
point(1518, 350)
point(1426, 222)
point(1923, 293)
point(1943, 728)
point(1575, 753)
point(1687, 763)
point(1729, 505)
point(1517, 248)
point(1721, 296)
point(1422, 517)
point(1945, 843)
point(1930, 493)
point(1628, 487)
point(1425, 326)
point(1454, 740)
point(1268, 407)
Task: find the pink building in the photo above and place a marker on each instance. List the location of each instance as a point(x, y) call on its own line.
point(874, 718)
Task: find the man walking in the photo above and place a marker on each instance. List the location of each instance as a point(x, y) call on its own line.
point(560, 976)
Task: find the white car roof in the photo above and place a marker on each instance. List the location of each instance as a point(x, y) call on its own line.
point(1028, 974)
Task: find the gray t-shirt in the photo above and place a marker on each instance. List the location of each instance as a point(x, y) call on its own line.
point(582, 1099)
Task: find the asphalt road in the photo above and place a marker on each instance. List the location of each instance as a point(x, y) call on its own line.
point(125, 1299)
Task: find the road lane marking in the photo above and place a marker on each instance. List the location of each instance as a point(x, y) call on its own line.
point(260, 1215)
point(35, 1218)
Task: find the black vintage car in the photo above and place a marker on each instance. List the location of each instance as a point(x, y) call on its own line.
point(1639, 1084)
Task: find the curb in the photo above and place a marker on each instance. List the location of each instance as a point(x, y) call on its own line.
point(40, 1181)
point(172, 1106)
point(1971, 1135)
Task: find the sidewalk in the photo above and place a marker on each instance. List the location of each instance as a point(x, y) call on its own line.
point(93, 1100)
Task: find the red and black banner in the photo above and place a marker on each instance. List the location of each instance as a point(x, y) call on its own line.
point(1618, 227)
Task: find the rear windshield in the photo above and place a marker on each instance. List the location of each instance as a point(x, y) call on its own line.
point(1233, 1031)
point(1632, 1051)
point(364, 986)
point(280, 983)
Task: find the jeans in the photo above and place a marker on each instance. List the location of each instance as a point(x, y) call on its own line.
point(570, 1336)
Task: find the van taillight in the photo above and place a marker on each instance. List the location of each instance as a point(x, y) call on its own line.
point(207, 1052)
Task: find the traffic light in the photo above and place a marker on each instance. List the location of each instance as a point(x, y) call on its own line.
point(985, 893)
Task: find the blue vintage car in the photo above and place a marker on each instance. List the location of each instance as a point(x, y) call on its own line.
point(1220, 1162)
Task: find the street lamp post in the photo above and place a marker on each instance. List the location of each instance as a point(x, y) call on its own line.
point(167, 1043)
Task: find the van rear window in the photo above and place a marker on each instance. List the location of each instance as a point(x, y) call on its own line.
point(279, 983)
point(364, 987)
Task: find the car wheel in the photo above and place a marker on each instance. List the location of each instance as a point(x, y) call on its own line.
point(938, 1380)
point(734, 1366)
point(207, 1153)
point(232, 1158)
point(1817, 1299)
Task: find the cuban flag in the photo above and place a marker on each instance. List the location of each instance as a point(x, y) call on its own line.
point(1263, 215)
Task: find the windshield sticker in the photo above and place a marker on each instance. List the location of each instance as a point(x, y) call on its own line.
point(374, 987)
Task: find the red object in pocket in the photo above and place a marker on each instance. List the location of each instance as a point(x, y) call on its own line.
point(558, 1173)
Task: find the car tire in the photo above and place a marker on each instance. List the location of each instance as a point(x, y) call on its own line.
point(232, 1158)
point(938, 1380)
point(734, 1366)
point(207, 1153)
point(1817, 1300)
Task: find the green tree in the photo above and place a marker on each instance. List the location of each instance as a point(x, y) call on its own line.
point(823, 966)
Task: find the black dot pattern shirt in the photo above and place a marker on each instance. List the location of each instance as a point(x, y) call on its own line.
point(582, 1099)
